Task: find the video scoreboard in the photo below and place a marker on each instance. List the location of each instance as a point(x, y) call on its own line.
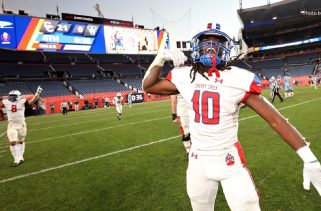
point(40, 34)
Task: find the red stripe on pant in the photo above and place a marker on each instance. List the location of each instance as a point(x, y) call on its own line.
point(242, 158)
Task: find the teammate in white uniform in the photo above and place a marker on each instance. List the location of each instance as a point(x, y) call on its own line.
point(17, 128)
point(180, 113)
point(129, 99)
point(118, 101)
point(315, 81)
point(214, 89)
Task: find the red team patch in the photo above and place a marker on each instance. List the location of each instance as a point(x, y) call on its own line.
point(229, 160)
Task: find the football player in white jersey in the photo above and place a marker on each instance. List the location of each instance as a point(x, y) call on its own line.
point(180, 113)
point(214, 89)
point(129, 99)
point(118, 102)
point(17, 128)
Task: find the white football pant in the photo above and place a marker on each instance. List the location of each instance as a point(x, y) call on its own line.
point(204, 174)
point(16, 132)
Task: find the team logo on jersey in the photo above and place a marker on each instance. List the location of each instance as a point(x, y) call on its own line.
point(229, 160)
point(194, 155)
point(218, 80)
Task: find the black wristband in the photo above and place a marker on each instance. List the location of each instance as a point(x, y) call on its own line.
point(174, 116)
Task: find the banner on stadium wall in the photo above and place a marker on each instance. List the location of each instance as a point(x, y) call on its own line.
point(297, 81)
point(7, 32)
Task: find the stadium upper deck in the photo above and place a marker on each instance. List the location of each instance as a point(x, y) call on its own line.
point(283, 27)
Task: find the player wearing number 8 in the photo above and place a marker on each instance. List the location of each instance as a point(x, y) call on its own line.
point(214, 90)
point(17, 128)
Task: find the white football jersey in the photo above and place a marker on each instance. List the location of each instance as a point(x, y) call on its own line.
point(15, 111)
point(213, 105)
point(64, 104)
point(118, 101)
point(182, 106)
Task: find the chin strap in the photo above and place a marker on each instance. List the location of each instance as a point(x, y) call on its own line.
point(213, 68)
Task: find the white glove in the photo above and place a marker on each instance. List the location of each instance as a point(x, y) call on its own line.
point(312, 173)
point(39, 90)
point(174, 55)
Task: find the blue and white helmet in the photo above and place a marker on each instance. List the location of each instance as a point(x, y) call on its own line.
point(14, 96)
point(202, 49)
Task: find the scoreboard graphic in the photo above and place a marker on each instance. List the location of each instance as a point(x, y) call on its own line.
point(54, 35)
point(40, 34)
point(7, 32)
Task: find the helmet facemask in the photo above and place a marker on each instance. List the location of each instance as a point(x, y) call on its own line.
point(14, 96)
point(203, 49)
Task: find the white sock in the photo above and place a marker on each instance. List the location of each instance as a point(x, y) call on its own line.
point(15, 152)
point(187, 145)
point(21, 148)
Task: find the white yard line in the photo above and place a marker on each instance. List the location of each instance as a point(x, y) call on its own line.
point(95, 120)
point(2, 134)
point(95, 130)
point(115, 152)
point(88, 159)
point(84, 114)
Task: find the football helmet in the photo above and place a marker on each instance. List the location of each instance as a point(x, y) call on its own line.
point(14, 96)
point(203, 50)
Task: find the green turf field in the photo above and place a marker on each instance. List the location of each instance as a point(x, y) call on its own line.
point(89, 160)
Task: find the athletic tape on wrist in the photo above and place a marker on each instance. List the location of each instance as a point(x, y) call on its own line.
point(306, 154)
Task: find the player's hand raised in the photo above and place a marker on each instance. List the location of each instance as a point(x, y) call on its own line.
point(174, 55)
point(39, 90)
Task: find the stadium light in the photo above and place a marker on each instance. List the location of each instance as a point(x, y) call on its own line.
point(252, 21)
point(274, 18)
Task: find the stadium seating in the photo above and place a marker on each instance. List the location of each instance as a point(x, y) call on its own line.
point(78, 70)
point(110, 58)
point(302, 58)
point(301, 70)
point(58, 58)
point(142, 58)
point(24, 70)
point(267, 64)
point(124, 70)
point(97, 86)
point(12, 56)
point(134, 82)
point(50, 88)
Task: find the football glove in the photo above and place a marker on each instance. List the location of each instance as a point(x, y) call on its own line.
point(39, 90)
point(174, 55)
point(312, 174)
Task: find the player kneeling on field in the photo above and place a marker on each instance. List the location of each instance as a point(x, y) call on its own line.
point(17, 128)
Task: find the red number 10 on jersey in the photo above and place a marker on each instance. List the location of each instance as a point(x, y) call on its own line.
point(207, 107)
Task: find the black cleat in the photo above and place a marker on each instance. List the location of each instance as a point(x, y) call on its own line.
point(21, 161)
point(15, 164)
